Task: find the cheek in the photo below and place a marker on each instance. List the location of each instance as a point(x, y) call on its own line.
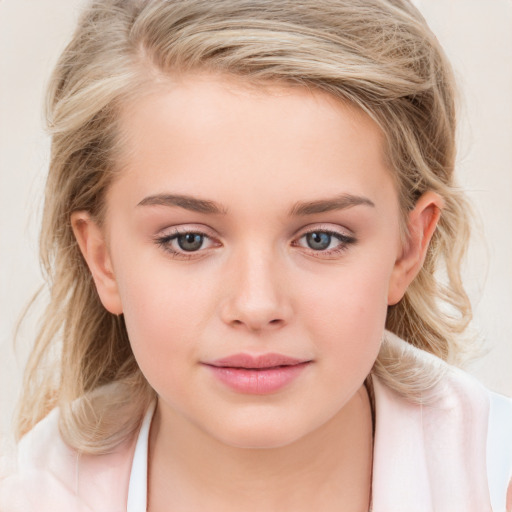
point(346, 314)
point(161, 329)
point(349, 299)
point(161, 309)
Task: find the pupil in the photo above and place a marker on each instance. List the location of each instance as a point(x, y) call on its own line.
point(190, 241)
point(318, 241)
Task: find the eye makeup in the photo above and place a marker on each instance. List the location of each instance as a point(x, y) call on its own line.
point(193, 243)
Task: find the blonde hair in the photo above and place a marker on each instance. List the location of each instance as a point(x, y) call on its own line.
point(376, 54)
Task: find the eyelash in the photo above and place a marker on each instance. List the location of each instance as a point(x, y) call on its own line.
point(345, 241)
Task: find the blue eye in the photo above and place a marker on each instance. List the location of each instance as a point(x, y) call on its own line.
point(325, 242)
point(318, 240)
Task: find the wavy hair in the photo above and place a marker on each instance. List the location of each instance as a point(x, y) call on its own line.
point(378, 55)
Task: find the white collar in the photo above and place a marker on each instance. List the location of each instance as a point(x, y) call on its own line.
point(137, 488)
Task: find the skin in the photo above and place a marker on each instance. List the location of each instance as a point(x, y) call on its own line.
point(255, 285)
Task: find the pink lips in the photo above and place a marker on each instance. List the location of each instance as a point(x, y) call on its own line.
point(258, 375)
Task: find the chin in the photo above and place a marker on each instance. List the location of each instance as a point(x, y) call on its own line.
point(262, 436)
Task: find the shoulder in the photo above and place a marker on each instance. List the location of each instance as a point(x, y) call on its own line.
point(42, 474)
point(43, 448)
point(51, 476)
point(457, 436)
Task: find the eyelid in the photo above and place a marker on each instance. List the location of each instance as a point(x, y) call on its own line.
point(326, 228)
point(184, 229)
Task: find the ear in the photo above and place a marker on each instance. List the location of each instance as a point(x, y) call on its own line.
point(421, 225)
point(92, 243)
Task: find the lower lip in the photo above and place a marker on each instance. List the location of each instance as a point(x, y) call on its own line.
point(258, 382)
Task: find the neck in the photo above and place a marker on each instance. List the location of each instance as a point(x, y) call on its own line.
point(328, 469)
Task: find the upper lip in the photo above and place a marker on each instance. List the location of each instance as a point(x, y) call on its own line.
point(260, 361)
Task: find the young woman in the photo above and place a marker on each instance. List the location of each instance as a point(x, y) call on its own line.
point(253, 238)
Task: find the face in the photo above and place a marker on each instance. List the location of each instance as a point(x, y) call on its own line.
point(252, 243)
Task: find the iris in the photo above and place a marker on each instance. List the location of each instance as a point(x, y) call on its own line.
point(190, 241)
point(318, 240)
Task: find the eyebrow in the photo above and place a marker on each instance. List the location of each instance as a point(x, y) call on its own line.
point(187, 202)
point(341, 202)
point(301, 208)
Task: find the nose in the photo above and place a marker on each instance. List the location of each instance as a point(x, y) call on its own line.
point(256, 296)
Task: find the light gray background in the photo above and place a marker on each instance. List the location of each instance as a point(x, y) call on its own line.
point(477, 35)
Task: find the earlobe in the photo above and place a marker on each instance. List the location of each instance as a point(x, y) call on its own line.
point(92, 243)
point(422, 223)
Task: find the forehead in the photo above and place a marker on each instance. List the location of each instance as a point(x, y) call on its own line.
point(213, 134)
